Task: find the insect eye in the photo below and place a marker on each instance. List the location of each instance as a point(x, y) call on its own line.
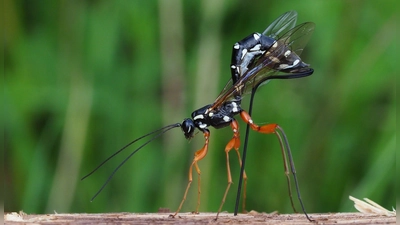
point(188, 127)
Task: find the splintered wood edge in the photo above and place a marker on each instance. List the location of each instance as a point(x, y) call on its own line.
point(201, 218)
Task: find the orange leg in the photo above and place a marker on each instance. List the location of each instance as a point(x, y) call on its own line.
point(234, 143)
point(272, 129)
point(199, 155)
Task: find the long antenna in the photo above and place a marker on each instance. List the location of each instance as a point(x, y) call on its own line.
point(157, 133)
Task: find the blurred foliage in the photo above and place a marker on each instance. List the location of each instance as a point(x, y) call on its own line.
point(83, 78)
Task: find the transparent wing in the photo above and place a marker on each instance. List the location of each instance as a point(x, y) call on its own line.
point(297, 38)
point(281, 25)
point(267, 66)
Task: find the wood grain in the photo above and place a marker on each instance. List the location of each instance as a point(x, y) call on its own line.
point(202, 218)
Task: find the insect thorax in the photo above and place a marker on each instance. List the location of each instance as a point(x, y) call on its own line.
point(217, 118)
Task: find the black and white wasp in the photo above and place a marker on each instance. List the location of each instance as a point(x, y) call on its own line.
point(258, 58)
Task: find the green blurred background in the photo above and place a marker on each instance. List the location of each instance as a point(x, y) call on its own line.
point(84, 78)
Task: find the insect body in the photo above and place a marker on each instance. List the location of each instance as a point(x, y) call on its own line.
point(256, 59)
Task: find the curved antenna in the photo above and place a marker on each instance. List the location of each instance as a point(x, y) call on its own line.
point(157, 133)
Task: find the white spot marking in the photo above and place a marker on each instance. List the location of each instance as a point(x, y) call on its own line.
point(236, 46)
point(274, 59)
point(251, 121)
point(198, 117)
point(226, 118)
point(256, 36)
point(202, 126)
point(244, 51)
point(275, 44)
point(287, 53)
point(233, 67)
point(211, 114)
point(256, 47)
point(235, 107)
point(284, 66)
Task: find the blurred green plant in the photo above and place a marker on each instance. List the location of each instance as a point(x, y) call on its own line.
point(83, 78)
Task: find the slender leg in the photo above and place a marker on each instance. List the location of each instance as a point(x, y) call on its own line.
point(244, 183)
point(235, 127)
point(285, 167)
point(198, 188)
point(234, 143)
point(275, 129)
point(199, 155)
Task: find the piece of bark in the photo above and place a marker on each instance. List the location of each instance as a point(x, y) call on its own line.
point(202, 218)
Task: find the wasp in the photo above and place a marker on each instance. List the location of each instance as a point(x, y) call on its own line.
point(256, 59)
